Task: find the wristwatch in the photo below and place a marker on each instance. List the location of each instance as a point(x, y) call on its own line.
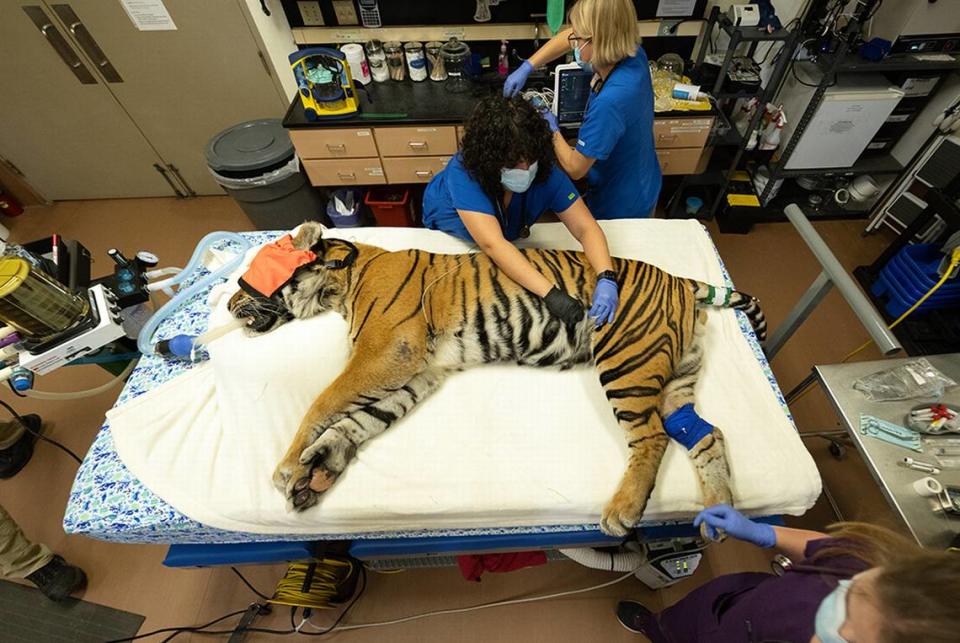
point(607, 274)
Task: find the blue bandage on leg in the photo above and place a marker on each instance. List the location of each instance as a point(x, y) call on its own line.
point(686, 427)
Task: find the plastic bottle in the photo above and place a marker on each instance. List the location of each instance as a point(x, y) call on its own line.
point(772, 135)
point(686, 92)
point(742, 120)
point(503, 62)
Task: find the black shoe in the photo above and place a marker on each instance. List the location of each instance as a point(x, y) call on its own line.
point(16, 456)
point(634, 616)
point(58, 579)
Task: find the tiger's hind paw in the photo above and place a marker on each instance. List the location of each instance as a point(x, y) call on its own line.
point(712, 535)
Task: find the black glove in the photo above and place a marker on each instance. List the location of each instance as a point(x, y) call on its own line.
point(562, 305)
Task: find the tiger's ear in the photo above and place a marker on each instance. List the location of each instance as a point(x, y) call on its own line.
point(310, 235)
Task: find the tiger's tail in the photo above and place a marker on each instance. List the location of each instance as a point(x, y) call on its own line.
point(722, 297)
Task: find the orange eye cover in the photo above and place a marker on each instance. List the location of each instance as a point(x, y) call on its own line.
point(274, 266)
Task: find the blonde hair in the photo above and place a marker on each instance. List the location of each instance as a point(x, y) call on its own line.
point(916, 588)
point(612, 26)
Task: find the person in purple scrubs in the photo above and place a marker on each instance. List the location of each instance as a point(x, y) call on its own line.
point(859, 583)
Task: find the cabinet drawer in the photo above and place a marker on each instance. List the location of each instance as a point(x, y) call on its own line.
point(679, 160)
point(345, 171)
point(416, 141)
point(333, 143)
point(681, 132)
point(413, 170)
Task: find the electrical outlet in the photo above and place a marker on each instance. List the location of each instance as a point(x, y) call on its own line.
point(346, 12)
point(311, 14)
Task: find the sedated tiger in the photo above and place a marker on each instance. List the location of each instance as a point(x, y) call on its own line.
point(415, 316)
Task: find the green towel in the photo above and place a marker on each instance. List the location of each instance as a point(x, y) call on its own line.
point(554, 15)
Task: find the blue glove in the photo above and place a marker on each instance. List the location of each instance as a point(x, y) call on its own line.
point(737, 525)
point(516, 80)
point(605, 301)
point(551, 119)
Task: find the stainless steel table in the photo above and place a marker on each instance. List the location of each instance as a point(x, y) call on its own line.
point(930, 527)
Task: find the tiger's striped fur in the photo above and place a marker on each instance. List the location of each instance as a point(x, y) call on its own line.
point(416, 316)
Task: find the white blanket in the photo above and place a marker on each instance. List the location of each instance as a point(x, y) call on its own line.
point(496, 446)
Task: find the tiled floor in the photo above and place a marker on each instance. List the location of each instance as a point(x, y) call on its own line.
point(771, 263)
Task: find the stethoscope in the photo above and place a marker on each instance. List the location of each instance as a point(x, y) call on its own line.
point(600, 81)
point(781, 565)
point(504, 221)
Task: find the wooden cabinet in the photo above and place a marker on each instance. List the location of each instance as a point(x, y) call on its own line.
point(94, 108)
point(681, 160)
point(334, 143)
point(681, 132)
point(413, 170)
point(417, 141)
point(415, 154)
point(367, 171)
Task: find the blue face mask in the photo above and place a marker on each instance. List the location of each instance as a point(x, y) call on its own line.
point(517, 180)
point(831, 614)
point(585, 66)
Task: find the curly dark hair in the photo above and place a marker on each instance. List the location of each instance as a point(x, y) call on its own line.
point(502, 132)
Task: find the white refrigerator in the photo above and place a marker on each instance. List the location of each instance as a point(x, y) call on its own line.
point(849, 116)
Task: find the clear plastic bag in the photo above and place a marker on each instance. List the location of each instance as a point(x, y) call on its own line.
point(914, 379)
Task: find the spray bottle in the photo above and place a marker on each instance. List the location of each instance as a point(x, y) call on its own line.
point(503, 62)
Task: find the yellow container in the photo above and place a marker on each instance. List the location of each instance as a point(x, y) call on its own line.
point(37, 305)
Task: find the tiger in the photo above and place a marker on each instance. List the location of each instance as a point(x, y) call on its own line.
point(415, 316)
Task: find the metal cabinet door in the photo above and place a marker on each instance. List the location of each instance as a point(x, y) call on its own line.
point(179, 86)
point(58, 123)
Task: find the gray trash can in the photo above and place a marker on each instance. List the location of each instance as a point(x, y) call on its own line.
point(255, 163)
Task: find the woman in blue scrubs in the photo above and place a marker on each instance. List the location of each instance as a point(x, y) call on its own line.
point(499, 185)
point(615, 147)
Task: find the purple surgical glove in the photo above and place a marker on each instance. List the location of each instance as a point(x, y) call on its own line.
point(551, 119)
point(737, 525)
point(605, 300)
point(517, 79)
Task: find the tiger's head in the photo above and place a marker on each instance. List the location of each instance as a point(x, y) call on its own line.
point(313, 287)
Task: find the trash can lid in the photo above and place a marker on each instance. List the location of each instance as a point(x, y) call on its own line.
point(248, 146)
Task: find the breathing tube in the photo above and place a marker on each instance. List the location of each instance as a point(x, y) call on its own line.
point(76, 395)
point(183, 345)
point(611, 562)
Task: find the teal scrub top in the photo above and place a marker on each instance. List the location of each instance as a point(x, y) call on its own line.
point(617, 131)
point(455, 189)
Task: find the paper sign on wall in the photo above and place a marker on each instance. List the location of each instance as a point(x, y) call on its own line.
point(148, 15)
point(669, 8)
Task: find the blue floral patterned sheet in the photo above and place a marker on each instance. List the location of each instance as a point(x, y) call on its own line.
point(108, 503)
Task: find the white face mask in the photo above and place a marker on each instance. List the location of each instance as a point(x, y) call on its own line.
point(518, 180)
point(832, 614)
point(584, 65)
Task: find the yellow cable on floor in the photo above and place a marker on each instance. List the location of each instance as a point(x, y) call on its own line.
point(321, 587)
point(954, 261)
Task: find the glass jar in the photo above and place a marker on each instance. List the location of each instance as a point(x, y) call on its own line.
point(377, 61)
point(438, 70)
point(455, 55)
point(416, 62)
point(672, 64)
point(394, 53)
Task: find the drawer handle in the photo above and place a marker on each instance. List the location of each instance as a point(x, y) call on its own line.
point(418, 145)
point(339, 147)
point(351, 176)
point(665, 137)
point(424, 174)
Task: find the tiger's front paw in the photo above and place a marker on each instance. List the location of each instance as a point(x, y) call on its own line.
point(317, 470)
point(621, 514)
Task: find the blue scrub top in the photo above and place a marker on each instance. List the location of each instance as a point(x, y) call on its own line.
point(454, 189)
point(617, 131)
